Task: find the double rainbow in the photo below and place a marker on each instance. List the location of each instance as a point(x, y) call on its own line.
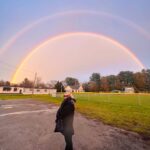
point(55, 38)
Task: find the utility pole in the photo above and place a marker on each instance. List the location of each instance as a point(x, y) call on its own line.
point(35, 76)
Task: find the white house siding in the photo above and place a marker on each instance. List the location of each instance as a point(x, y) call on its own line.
point(81, 89)
point(40, 91)
point(14, 90)
point(25, 91)
point(70, 89)
point(129, 90)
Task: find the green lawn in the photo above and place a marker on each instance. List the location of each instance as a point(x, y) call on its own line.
point(127, 111)
point(131, 112)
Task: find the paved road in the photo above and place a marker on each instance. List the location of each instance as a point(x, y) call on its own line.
point(29, 125)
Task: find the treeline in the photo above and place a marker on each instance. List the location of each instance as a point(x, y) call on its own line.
point(38, 83)
point(140, 81)
point(27, 83)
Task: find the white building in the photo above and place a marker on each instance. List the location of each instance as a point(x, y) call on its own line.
point(8, 90)
point(129, 90)
point(21, 90)
point(81, 88)
point(74, 88)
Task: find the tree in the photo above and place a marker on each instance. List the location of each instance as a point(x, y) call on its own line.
point(59, 87)
point(95, 77)
point(27, 83)
point(112, 81)
point(126, 78)
point(92, 86)
point(39, 83)
point(146, 74)
point(52, 83)
point(86, 87)
point(118, 85)
point(2, 83)
point(139, 81)
point(7, 83)
point(14, 84)
point(71, 81)
point(105, 84)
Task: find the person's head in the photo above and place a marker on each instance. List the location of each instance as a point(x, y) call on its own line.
point(67, 95)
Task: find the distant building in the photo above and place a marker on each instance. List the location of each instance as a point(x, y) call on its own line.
point(129, 90)
point(81, 88)
point(25, 91)
point(76, 88)
point(9, 90)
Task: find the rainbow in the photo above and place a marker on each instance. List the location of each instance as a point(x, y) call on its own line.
point(58, 37)
point(14, 38)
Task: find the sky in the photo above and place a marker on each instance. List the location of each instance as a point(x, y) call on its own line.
point(61, 38)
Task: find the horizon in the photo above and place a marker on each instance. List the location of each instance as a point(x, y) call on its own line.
point(80, 81)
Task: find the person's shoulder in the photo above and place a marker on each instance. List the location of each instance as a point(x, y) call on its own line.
point(72, 101)
point(69, 101)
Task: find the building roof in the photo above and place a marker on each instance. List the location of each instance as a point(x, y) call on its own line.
point(75, 87)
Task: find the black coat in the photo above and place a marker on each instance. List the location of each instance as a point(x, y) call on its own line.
point(65, 116)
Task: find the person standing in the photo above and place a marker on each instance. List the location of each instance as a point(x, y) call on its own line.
point(64, 119)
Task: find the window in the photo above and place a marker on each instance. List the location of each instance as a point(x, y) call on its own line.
point(6, 88)
point(15, 89)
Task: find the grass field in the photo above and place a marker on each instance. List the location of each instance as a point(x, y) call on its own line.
point(127, 111)
point(131, 112)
